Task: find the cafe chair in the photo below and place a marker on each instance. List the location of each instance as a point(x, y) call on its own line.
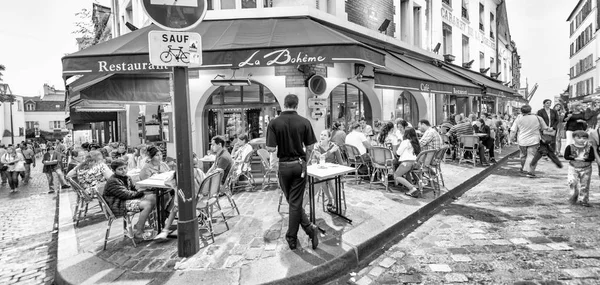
point(208, 198)
point(468, 144)
point(356, 160)
point(422, 169)
point(451, 147)
point(436, 166)
point(110, 216)
point(382, 160)
point(84, 198)
point(268, 168)
point(241, 169)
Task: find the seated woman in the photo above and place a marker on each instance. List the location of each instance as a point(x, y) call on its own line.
point(386, 135)
point(155, 164)
point(330, 153)
point(242, 149)
point(174, 207)
point(407, 154)
point(122, 196)
point(92, 171)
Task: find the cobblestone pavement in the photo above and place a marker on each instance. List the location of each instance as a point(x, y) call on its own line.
point(506, 230)
point(28, 235)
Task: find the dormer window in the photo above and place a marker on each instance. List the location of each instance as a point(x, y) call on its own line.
point(29, 107)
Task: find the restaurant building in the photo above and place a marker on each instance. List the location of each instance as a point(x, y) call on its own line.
point(344, 59)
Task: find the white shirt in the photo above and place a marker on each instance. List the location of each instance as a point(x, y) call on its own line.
point(527, 129)
point(356, 139)
point(406, 151)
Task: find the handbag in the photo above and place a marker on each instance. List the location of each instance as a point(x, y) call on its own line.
point(544, 136)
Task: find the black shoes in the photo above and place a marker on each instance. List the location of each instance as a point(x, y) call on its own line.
point(65, 187)
point(292, 242)
point(313, 234)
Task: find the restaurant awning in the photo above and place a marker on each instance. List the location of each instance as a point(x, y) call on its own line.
point(492, 87)
point(76, 117)
point(408, 73)
point(230, 44)
point(120, 88)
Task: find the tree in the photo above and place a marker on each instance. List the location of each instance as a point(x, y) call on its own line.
point(92, 27)
point(2, 68)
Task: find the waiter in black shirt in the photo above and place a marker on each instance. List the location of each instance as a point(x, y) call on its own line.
point(290, 134)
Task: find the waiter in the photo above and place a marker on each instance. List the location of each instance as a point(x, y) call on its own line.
point(290, 134)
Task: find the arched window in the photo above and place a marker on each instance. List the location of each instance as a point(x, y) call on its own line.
point(347, 105)
point(233, 110)
point(407, 109)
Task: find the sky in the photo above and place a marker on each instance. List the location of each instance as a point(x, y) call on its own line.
point(31, 46)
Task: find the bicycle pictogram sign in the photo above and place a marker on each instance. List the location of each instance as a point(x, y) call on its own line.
point(175, 53)
point(175, 48)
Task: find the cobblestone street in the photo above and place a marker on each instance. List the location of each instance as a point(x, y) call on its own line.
point(28, 236)
point(506, 230)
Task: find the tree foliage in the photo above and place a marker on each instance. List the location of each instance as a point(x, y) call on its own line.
point(92, 26)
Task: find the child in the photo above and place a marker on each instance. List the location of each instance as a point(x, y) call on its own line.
point(580, 156)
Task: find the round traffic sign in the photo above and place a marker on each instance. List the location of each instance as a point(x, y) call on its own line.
point(175, 15)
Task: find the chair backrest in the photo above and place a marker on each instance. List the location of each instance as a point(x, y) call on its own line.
point(438, 157)
point(445, 139)
point(211, 184)
point(353, 154)
point(425, 157)
point(381, 156)
point(79, 190)
point(105, 208)
point(247, 160)
point(469, 141)
point(265, 158)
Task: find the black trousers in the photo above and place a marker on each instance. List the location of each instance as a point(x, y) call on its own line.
point(545, 149)
point(293, 184)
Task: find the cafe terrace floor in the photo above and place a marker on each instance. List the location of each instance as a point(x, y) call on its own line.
point(254, 250)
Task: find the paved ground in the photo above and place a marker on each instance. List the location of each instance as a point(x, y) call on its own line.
point(506, 230)
point(28, 236)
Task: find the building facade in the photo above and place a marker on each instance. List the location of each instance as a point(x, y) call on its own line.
point(407, 32)
point(583, 51)
point(45, 115)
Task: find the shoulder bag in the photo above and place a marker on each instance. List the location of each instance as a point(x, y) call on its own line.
point(545, 136)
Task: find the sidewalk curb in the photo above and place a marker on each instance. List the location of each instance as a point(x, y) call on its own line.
point(85, 268)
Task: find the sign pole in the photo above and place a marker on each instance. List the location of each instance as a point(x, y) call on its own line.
point(187, 227)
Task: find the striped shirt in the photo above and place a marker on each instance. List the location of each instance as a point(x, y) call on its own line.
point(461, 129)
point(430, 140)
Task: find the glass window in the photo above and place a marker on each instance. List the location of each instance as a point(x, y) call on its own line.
point(232, 94)
point(251, 93)
point(248, 4)
point(406, 108)
point(347, 105)
point(465, 48)
point(227, 4)
point(447, 34)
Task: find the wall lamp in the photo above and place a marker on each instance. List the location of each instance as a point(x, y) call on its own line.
point(468, 64)
point(495, 75)
point(231, 81)
point(484, 70)
point(437, 48)
point(384, 26)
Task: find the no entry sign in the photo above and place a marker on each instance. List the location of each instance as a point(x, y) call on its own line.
point(175, 15)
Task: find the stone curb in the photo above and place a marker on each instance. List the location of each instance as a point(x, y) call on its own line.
point(80, 268)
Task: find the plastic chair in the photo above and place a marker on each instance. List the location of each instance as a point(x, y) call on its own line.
point(354, 158)
point(265, 159)
point(382, 160)
point(110, 216)
point(210, 186)
point(468, 144)
point(84, 198)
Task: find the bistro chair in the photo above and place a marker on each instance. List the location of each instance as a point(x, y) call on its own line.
point(245, 171)
point(422, 169)
point(84, 198)
point(436, 165)
point(268, 167)
point(382, 160)
point(227, 190)
point(355, 159)
point(451, 147)
point(110, 216)
point(207, 198)
point(468, 144)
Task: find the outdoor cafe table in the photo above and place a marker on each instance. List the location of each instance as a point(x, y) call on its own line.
point(320, 173)
point(159, 189)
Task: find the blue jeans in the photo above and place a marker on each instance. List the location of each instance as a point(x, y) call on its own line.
point(526, 156)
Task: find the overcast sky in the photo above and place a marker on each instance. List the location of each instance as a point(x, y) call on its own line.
point(35, 34)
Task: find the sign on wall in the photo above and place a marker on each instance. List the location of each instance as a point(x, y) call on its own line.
point(175, 48)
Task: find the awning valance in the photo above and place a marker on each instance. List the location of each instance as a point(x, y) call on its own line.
point(120, 88)
point(492, 87)
point(76, 117)
point(407, 73)
point(230, 44)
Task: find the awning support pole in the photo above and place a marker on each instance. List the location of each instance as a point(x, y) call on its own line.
point(187, 227)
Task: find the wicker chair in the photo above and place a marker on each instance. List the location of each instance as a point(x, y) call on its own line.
point(468, 144)
point(382, 160)
point(210, 187)
point(110, 216)
point(422, 169)
point(84, 198)
point(354, 158)
point(269, 169)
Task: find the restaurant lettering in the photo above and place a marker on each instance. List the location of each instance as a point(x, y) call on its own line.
point(424, 87)
point(104, 66)
point(280, 57)
point(459, 92)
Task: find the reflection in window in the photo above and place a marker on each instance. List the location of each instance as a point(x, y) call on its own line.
point(407, 109)
point(227, 4)
point(347, 105)
point(248, 4)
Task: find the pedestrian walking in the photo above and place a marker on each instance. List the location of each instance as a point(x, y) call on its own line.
point(526, 130)
point(289, 135)
point(550, 117)
point(51, 166)
point(3, 168)
point(15, 162)
point(29, 156)
point(580, 156)
point(560, 128)
point(575, 121)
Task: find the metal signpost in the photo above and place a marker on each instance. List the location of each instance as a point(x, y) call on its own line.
point(180, 50)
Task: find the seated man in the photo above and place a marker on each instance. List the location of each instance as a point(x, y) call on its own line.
point(430, 139)
point(223, 159)
point(122, 196)
point(358, 139)
point(488, 141)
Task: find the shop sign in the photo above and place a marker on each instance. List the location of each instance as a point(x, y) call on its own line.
point(175, 48)
point(317, 102)
point(318, 113)
point(459, 92)
point(281, 57)
point(424, 87)
point(120, 67)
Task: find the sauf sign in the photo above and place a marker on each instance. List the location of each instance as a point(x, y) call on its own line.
point(281, 57)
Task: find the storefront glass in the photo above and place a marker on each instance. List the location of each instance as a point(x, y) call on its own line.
point(234, 110)
point(348, 105)
point(407, 109)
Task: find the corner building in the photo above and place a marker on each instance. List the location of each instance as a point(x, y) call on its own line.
point(583, 51)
